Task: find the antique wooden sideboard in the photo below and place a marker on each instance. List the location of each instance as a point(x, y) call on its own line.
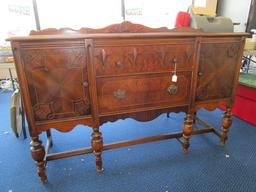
point(92, 76)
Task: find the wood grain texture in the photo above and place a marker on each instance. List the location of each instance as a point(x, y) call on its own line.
point(57, 81)
point(142, 91)
point(146, 114)
point(123, 27)
point(217, 74)
point(38, 154)
point(92, 76)
point(144, 58)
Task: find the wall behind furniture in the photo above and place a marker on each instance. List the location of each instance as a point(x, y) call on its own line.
point(78, 13)
point(17, 18)
point(155, 13)
point(98, 13)
point(237, 10)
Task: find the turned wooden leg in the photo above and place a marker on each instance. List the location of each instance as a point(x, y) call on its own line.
point(49, 137)
point(226, 122)
point(38, 153)
point(187, 131)
point(97, 145)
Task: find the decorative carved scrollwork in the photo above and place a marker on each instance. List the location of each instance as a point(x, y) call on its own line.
point(103, 57)
point(76, 58)
point(188, 54)
point(81, 107)
point(49, 73)
point(48, 111)
point(131, 56)
point(162, 55)
point(134, 55)
point(123, 27)
point(42, 111)
point(232, 50)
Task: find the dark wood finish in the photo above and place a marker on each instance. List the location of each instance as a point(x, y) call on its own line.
point(110, 146)
point(213, 83)
point(57, 79)
point(141, 114)
point(61, 155)
point(187, 131)
point(126, 26)
point(92, 76)
point(38, 154)
point(125, 93)
point(122, 60)
point(97, 145)
point(226, 123)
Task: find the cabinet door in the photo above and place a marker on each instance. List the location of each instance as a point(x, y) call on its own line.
point(218, 69)
point(56, 74)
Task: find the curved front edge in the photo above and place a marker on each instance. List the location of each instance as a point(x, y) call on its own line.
point(212, 105)
point(141, 115)
point(64, 125)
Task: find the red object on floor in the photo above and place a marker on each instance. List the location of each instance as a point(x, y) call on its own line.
point(182, 19)
point(245, 104)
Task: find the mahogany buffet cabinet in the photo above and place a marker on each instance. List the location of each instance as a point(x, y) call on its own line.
point(92, 76)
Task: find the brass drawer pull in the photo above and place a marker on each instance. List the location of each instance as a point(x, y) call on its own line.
point(85, 84)
point(200, 74)
point(175, 60)
point(172, 89)
point(119, 64)
point(119, 94)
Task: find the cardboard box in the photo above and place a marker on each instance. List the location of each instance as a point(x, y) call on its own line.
point(204, 7)
point(250, 44)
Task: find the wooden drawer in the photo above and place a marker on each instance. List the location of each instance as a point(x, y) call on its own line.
point(125, 93)
point(111, 60)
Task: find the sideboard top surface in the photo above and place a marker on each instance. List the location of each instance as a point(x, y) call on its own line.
point(124, 35)
point(118, 31)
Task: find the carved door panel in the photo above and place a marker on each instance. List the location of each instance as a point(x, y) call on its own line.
point(217, 70)
point(56, 74)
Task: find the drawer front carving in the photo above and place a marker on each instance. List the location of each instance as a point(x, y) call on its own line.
point(217, 70)
point(57, 81)
point(111, 60)
point(124, 93)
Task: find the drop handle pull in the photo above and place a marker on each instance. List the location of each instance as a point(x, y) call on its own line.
point(119, 64)
point(119, 94)
point(175, 61)
point(85, 84)
point(172, 89)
